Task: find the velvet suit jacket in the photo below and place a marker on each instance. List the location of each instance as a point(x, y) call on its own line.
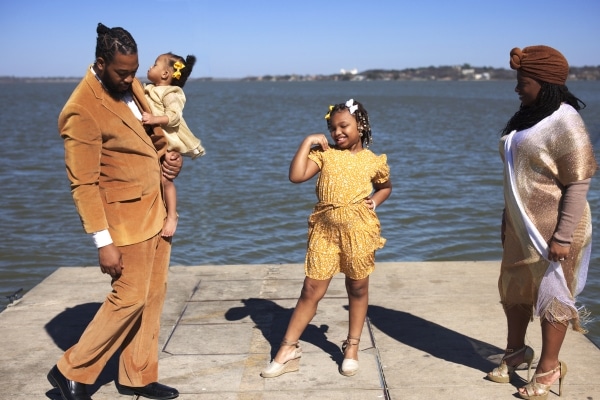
point(113, 164)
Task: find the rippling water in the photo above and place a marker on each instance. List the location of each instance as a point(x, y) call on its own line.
point(236, 204)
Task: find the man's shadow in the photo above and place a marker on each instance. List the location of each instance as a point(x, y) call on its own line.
point(272, 320)
point(433, 339)
point(66, 328)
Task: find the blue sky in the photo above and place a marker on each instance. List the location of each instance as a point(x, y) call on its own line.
point(239, 38)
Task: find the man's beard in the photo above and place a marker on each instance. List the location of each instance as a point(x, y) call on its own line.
point(115, 91)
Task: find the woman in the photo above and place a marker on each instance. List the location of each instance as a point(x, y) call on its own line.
point(546, 226)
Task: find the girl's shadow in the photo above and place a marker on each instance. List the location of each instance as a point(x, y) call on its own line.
point(272, 320)
point(413, 331)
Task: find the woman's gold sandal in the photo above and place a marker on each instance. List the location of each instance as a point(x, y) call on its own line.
point(503, 372)
point(274, 369)
point(349, 365)
point(535, 390)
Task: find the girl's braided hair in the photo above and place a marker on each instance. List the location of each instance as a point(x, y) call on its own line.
point(361, 116)
point(549, 99)
point(185, 71)
point(113, 40)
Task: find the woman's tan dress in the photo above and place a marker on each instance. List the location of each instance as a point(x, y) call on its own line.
point(546, 157)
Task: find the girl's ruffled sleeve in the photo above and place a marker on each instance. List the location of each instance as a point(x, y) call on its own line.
point(382, 174)
point(316, 154)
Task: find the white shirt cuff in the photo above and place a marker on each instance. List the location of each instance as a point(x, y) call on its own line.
point(102, 238)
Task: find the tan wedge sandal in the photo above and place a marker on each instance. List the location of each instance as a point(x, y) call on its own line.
point(292, 364)
point(349, 366)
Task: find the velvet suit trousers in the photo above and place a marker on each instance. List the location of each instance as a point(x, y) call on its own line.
point(129, 320)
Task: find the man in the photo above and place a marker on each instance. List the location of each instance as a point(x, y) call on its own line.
point(114, 165)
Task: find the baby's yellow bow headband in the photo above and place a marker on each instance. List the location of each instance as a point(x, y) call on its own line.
point(178, 66)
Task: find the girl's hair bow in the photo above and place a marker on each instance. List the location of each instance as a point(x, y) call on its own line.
point(328, 115)
point(351, 106)
point(177, 67)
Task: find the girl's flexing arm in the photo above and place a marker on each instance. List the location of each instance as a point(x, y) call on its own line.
point(301, 168)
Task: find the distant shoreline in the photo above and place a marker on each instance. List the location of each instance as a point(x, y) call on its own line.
point(443, 73)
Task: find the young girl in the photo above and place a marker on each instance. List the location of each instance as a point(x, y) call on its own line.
point(343, 230)
point(166, 98)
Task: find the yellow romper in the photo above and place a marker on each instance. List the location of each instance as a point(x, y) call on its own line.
point(343, 233)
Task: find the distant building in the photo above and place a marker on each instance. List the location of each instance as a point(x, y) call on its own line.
point(351, 72)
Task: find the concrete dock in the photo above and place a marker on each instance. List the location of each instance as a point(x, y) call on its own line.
point(434, 330)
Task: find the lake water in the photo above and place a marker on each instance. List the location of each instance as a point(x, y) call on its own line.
point(236, 204)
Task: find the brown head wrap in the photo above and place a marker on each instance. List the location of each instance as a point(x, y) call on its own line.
point(541, 62)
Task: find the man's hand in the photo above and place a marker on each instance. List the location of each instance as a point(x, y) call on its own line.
point(111, 261)
point(171, 165)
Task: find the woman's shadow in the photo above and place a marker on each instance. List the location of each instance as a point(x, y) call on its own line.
point(272, 320)
point(433, 339)
point(66, 328)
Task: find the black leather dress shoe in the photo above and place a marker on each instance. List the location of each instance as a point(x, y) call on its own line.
point(153, 390)
point(70, 390)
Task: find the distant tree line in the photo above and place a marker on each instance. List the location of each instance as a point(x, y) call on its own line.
point(440, 73)
point(453, 73)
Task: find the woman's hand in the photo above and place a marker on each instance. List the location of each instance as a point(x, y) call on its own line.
point(558, 252)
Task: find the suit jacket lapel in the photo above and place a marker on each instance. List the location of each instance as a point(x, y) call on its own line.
point(120, 109)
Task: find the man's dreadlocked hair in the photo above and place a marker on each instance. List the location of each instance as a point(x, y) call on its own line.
point(113, 40)
point(362, 120)
point(549, 99)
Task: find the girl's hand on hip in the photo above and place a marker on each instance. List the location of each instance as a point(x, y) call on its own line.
point(370, 203)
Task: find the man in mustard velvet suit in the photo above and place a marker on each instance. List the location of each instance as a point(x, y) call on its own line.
point(114, 164)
